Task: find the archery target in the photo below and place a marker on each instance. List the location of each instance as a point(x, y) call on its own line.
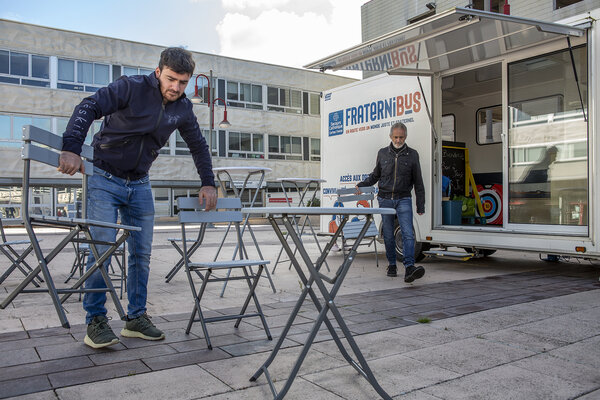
point(491, 201)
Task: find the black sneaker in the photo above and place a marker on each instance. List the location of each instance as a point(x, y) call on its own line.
point(99, 333)
point(413, 273)
point(392, 270)
point(141, 327)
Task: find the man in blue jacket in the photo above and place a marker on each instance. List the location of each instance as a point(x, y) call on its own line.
point(398, 170)
point(140, 113)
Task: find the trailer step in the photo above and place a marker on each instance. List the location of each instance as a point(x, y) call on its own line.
point(454, 255)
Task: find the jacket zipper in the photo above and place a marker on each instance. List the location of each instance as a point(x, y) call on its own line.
point(139, 156)
point(395, 170)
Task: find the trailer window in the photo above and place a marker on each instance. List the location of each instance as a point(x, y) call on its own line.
point(489, 125)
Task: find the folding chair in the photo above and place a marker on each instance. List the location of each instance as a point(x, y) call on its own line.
point(7, 247)
point(352, 229)
point(82, 251)
point(191, 213)
point(42, 146)
point(194, 244)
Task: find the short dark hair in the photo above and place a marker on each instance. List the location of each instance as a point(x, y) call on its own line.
point(398, 125)
point(178, 59)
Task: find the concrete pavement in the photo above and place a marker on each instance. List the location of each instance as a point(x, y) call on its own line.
point(508, 326)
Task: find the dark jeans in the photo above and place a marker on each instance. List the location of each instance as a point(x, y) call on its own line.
point(404, 214)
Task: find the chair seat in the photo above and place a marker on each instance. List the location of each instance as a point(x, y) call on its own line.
point(352, 229)
point(228, 264)
point(82, 221)
point(84, 247)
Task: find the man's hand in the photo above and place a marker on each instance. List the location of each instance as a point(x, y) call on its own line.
point(421, 213)
point(357, 189)
point(208, 193)
point(69, 163)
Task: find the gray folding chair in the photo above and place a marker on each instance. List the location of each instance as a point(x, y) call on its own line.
point(16, 258)
point(352, 229)
point(43, 146)
point(82, 251)
point(193, 246)
point(191, 212)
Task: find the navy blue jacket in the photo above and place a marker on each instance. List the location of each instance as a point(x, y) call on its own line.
point(136, 126)
point(397, 173)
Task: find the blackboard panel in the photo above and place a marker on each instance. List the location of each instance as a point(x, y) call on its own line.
point(453, 166)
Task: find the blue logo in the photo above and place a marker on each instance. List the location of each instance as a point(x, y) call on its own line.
point(327, 96)
point(336, 123)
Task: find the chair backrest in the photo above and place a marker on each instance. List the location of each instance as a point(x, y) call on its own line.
point(43, 146)
point(349, 194)
point(191, 211)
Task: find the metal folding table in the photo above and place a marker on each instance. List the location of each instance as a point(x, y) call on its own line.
point(311, 187)
point(225, 176)
point(286, 216)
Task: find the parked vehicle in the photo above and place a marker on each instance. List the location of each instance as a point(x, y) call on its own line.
point(503, 104)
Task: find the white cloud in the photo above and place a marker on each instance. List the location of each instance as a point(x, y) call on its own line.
point(288, 32)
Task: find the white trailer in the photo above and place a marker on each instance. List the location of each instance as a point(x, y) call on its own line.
point(515, 97)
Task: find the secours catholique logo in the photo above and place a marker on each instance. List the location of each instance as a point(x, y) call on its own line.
point(376, 114)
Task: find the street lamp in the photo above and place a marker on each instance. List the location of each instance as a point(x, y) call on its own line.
point(210, 102)
point(197, 97)
point(223, 124)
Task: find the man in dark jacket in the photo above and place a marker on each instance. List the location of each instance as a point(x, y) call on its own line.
point(397, 170)
point(140, 113)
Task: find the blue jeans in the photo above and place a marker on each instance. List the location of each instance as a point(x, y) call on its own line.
point(109, 195)
point(404, 214)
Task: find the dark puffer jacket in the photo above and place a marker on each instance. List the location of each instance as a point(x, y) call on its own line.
point(397, 174)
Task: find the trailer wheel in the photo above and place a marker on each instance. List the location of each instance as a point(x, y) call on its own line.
point(483, 252)
point(420, 247)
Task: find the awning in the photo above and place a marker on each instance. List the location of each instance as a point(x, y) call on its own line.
point(452, 39)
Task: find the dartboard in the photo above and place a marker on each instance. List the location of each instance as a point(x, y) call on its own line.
point(491, 201)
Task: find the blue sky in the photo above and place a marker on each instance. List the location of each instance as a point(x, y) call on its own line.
point(285, 32)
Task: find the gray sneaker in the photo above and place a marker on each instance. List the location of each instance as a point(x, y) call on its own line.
point(141, 327)
point(99, 333)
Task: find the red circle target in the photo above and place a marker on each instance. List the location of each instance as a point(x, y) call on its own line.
point(491, 201)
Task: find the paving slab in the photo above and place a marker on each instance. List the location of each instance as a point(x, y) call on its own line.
point(396, 375)
point(236, 372)
point(300, 390)
point(188, 382)
point(506, 382)
point(99, 373)
point(468, 355)
point(24, 386)
point(585, 352)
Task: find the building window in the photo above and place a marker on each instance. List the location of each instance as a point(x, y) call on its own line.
point(215, 141)
point(246, 145)
point(564, 3)
point(11, 127)
point(82, 75)
point(315, 149)
point(24, 69)
point(495, 5)
point(129, 71)
point(285, 147)
point(10, 201)
point(284, 100)
point(243, 95)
